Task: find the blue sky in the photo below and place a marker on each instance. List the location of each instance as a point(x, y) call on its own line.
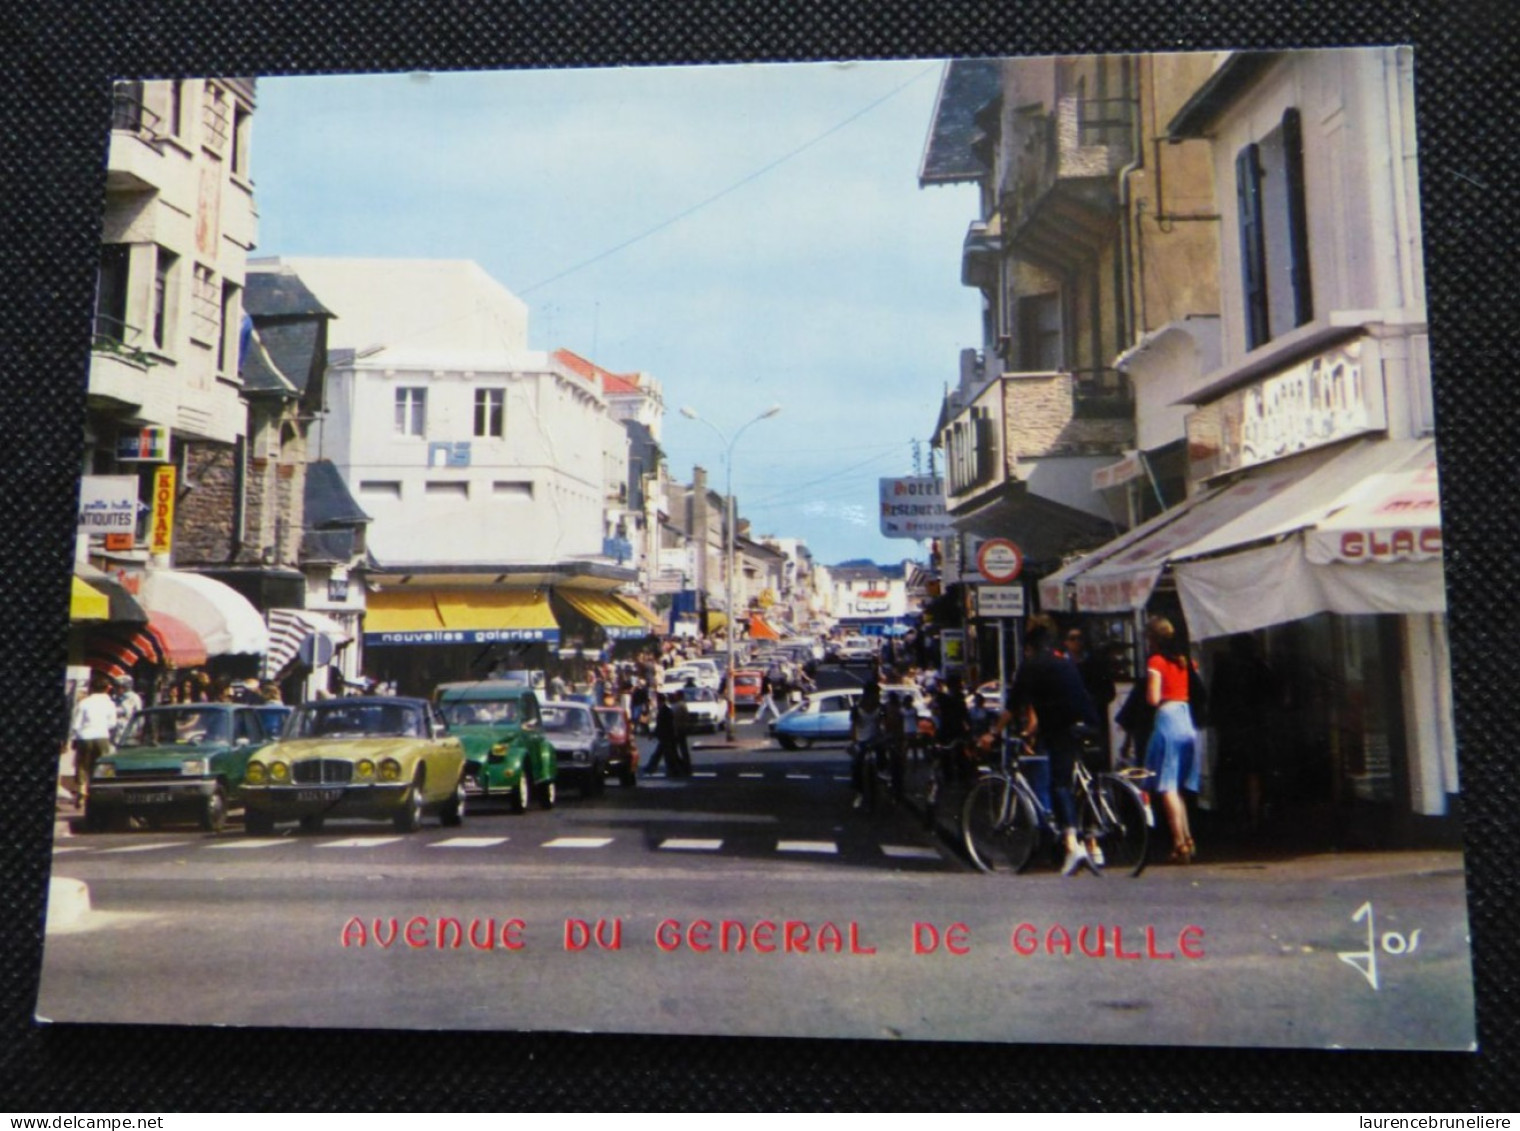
point(747, 235)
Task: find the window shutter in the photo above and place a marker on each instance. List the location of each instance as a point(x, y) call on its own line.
point(1298, 217)
point(1253, 251)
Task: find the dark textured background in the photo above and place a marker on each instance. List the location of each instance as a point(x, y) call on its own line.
point(54, 93)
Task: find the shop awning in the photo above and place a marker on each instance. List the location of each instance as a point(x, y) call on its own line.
point(87, 603)
point(222, 617)
point(615, 618)
point(760, 629)
point(1372, 547)
point(458, 616)
point(179, 644)
point(716, 621)
point(290, 629)
point(650, 617)
point(116, 651)
point(125, 608)
point(1058, 590)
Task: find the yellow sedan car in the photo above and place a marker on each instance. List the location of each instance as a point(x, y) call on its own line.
point(377, 757)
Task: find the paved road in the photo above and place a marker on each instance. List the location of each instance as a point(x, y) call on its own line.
point(750, 904)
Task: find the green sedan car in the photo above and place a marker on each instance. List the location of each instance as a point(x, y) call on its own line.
point(377, 757)
point(506, 753)
point(177, 762)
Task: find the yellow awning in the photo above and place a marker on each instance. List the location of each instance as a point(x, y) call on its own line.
point(401, 610)
point(651, 618)
point(458, 616)
point(716, 622)
point(611, 613)
point(87, 603)
point(495, 608)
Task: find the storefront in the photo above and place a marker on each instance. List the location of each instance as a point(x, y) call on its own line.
point(1323, 572)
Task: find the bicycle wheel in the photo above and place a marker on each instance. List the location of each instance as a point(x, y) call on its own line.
point(998, 826)
point(1122, 830)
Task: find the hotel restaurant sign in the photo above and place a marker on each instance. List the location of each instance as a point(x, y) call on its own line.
point(1328, 398)
point(914, 508)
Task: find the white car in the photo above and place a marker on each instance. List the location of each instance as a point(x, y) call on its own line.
point(704, 673)
point(706, 709)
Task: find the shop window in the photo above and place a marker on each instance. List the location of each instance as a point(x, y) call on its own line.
point(490, 412)
point(1274, 233)
point(411, 411)
point(241, 117)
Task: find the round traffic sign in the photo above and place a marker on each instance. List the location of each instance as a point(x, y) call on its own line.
point(999, 560)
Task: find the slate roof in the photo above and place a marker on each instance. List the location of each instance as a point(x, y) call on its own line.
point(966, 87)
point(329, 503)
point(286, 351)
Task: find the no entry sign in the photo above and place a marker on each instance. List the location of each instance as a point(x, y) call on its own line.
point(999, 560)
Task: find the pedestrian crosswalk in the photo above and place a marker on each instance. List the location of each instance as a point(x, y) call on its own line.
point(748, 846)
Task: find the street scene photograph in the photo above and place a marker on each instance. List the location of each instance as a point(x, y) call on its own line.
point(923, 550)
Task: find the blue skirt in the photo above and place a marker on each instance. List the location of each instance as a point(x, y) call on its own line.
point(1172, 755)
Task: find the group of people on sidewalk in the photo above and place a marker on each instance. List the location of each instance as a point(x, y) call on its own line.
point(1059, 701)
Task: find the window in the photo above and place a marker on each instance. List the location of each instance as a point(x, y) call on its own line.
point(241, 117)
point(111, 293)
point(227, 344)
point(163, 295)
point(1274, 233)
point(446, 489)
point(411, 411)
point(177, 107)
point(490, 411)
point(1039, 330)
point(380, 488)
point(205, 301)
point(128, 110)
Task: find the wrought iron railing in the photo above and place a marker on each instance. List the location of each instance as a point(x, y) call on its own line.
point(129, 111)
point(1101, 394)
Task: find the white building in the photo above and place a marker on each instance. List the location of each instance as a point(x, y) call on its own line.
point(470, 454)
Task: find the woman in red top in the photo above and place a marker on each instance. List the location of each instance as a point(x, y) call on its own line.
point(1172, 755)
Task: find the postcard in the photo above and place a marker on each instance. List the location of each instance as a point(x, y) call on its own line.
point(937, 549)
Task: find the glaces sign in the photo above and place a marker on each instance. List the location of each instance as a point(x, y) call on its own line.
point(914, 508)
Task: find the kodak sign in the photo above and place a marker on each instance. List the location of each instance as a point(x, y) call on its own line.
point(161, 534)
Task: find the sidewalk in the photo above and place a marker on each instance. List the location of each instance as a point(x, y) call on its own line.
point(1218, 856)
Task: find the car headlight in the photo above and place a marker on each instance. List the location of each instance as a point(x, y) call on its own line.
point(105, 770)
point(390, 770)
point(193, 767)
point(279, 772)
point(364, 769)
point(258, 773)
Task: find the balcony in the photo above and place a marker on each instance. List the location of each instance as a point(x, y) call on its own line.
point(118, 365)
point(1101, 394)
point(980, 255)
point(1060, 201)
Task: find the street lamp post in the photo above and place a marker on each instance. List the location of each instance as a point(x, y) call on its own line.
point(728, 540)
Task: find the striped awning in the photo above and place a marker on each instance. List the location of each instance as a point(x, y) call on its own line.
point(222, 617)
point(180, 645)
point(164, 642)
point(396, 616)
point(608, 612)
point(289, 629)
point(760, 629)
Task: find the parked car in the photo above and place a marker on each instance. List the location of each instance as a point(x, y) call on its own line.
point(375, 756)
point(747, 685)
point(582, 749)
point(856, 648)
point(821, 717)
point(706, 710)
point(185, 762)
point(507, 756)
point(623, 762)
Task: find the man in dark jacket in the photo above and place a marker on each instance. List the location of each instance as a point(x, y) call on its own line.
point(1050, 705)
point(664, 738)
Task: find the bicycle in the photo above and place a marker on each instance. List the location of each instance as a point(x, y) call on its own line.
point(882, 772)
point(1003, 817)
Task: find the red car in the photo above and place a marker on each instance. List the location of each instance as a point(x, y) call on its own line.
point(747, 683)
point(624, 761)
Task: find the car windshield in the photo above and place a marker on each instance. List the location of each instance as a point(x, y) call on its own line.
point(566, 720)
point(479, 712)
point(177, 726)
point(337, 719)
point(699, 695)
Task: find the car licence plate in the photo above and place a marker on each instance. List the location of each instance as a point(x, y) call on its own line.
point(326, 795)
point(148, 797)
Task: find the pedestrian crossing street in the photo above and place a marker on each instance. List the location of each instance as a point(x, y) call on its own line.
point(798, 849)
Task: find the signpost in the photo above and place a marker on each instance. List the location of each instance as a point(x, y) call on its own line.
point(999, 561)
